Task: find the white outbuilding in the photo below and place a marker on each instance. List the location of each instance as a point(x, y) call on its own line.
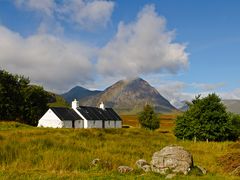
point(80, 117)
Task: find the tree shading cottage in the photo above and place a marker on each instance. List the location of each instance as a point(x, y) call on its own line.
point(80, 117)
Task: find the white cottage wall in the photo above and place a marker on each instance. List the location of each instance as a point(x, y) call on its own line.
point(79, 124)
point(50, 119)
point(109, 124)
point(67, 124)
point(118, 124)
point(113, 124)
point(94, 124)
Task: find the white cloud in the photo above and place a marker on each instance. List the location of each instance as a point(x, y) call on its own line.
point(234, 94)
point(173, 91)
point(82, 13)
point(43, 6)
point(57, 64)
point(208, 87)
point(87, 14)
point(142, 47)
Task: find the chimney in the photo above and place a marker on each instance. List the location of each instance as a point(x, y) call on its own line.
point(75, 104)
point(102, 106)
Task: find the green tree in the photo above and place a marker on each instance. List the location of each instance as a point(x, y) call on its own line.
point(10, 95)
point(35, 104)
point(148, 118)
point(235, 123)
point(205, 119)
point(19, 100)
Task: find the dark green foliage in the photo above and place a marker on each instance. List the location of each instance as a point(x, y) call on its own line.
point(206, 119)
point(19, 100)
point(35, 104)
point(11, 95)
point(148, 118)
point(235, 123)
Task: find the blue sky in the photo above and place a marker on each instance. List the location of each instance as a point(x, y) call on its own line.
point(182, 48)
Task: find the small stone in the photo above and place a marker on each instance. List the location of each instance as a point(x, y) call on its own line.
point(146, 168)
point(140, 163)
point(170, 176)
point(124, 169)
point(204, 171)
point(95, 162)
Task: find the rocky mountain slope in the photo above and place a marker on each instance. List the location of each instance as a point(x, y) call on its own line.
point(232, 105)
point(130, 96)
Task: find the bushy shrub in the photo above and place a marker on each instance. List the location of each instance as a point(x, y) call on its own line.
point(148, 118)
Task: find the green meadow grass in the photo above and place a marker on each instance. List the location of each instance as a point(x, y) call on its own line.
point(37, 153)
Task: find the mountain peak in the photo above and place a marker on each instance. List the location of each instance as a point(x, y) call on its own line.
point(130, 96)
point(138, 79)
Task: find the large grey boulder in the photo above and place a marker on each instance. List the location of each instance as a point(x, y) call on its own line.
point(172, 159)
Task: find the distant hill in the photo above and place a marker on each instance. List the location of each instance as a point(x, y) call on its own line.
point(232, 105)
point(78, 92)
point(184, 106)
point(57, 101)
point(129, 97)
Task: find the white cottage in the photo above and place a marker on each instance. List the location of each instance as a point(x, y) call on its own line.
point(80, 117)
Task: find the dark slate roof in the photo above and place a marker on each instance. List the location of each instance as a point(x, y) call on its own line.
point(65, 113)
point(94, 113)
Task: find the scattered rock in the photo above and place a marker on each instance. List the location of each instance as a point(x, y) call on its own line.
point(95, 162)
point(100, 163)
point(172, 159)
point(146, 168)
point(170, 176)
point(204, 171)
point(236, 172)
point(141, 162)
point(196, 171)
point(124, 169)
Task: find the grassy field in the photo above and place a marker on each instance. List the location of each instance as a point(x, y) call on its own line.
point(36, 153)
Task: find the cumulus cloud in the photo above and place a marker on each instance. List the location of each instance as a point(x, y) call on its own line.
point(142, 47)
point(47, 60)
point(87, 14)
point(84, 14)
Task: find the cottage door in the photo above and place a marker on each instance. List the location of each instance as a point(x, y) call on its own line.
point(73, 124)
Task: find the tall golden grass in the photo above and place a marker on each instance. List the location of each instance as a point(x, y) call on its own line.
point(37, 153)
